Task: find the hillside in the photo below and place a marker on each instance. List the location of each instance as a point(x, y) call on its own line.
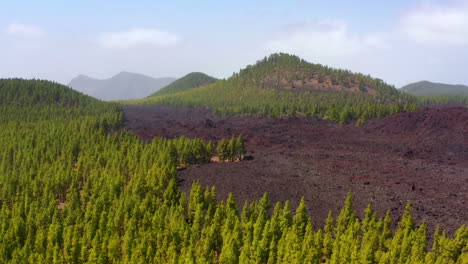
point(288, 72)
point(40, 92)
point(188, 82)
point(40, 100)
point(430, 88)
point(123, 86)
point(285, 85)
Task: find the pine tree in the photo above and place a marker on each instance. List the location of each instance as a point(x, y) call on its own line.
point(223, 150)
point(301, 219)
point(240, 148)
point(232, 149)
point(346, 217)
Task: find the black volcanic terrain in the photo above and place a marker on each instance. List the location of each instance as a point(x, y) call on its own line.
point(419, 156)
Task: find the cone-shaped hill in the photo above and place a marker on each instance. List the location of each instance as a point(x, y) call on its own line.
point(285, 85)
point(289, 72)
point(188, 82)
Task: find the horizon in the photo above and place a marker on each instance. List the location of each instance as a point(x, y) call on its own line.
point(400, 42)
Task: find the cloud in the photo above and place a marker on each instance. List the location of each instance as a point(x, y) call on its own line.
point(323, 38)
point(22, 30)
point(437, 24)
point(138, 37)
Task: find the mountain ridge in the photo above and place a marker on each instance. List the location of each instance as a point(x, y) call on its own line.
point(433, 88)
point(121, 86)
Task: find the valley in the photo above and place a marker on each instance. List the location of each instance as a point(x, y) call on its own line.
point(234, 132)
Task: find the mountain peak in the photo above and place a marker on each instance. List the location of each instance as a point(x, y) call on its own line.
point(125, 73)
point(83, 77)
point(188, 82)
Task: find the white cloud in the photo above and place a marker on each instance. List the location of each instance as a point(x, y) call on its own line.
point(436, 24)
point(137, 37)
point(324, 38)
point(22, 30)
point(378, 40)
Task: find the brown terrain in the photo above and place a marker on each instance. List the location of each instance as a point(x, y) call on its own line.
point(302, 81)
point(312, 84)
point(420, 157)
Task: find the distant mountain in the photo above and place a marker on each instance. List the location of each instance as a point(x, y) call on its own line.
point(189, 81)
point(430, 88)
point(123, 86)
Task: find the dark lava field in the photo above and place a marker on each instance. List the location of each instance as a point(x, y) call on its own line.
point(419, 156)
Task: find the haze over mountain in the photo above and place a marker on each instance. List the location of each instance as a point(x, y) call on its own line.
point(430, 88)
point(123, 86)
point(188, 82)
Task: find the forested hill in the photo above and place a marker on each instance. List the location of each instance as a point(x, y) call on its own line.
point(285, 85)
point(430, 88)
point(188, 82)
point(289, 72)
point(38, 100)
point(39, 92)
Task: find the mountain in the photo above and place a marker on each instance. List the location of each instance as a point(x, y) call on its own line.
point(430, 88)
point(189, 81)
point(285, 85)
point(123, 86)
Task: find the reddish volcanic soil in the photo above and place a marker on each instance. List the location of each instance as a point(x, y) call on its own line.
point(420, 157)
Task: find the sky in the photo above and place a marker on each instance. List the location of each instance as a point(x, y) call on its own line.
point(399, 41)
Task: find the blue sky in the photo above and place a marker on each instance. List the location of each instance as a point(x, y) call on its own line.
point(398, 41)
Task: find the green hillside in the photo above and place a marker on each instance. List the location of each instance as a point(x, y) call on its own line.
point(39, 100)
point(285, 85)
point(430, 88)
point(428, 93)
point(33, 92)
point(188, 82)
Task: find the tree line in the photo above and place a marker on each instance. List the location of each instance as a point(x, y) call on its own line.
point(186, 152)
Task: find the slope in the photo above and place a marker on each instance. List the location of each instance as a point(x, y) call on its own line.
point(188, 82)
point(285, 85)
point(123, 86)
point(39, 100)
point(430, 88)
point(40, 92)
